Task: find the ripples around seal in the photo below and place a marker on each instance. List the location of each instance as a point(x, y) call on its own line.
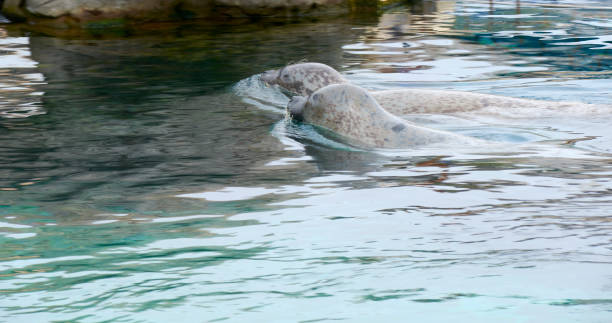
point(150, 178)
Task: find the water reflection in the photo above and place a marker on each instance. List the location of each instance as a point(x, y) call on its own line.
point(485, 41)
point(113, 121)
point(20, 86)
point(154, 183)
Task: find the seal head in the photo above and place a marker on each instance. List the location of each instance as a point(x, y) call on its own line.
point(352, 113)
point(303, 78)
point(296, 107)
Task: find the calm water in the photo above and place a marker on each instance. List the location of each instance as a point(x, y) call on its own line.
point(151, 178)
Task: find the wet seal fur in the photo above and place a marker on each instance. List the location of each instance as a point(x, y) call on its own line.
point(416, 101)
point(303, 78)
point(352, 113)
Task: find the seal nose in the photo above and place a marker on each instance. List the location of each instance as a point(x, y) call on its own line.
point(269, 76)
point(296, 107)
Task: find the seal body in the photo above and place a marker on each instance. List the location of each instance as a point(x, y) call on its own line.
point(303, 78)
point(416, 101)
point(353, 114)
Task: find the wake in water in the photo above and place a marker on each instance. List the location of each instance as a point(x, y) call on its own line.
point(256, 92)
point(498, 126)
point(493, 120)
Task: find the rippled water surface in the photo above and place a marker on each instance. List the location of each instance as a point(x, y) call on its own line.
point(150, 177)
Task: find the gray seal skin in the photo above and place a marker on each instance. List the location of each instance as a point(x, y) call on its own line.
point(303, 78)
point(416, 101)
point(352, 113)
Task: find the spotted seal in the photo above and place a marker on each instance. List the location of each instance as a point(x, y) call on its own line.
point(416, 101)
point(303, 78)
point(352, 113)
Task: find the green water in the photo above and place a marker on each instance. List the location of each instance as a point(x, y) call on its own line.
point(150, 177)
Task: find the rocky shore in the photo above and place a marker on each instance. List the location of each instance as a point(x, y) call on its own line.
point(101, 13)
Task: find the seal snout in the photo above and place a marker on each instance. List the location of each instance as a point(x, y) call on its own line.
point(270, 76)
point(296, 107)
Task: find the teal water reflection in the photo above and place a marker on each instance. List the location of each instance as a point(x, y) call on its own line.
point(150, 178)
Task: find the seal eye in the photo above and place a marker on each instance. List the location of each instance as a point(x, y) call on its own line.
point(398, 127)
point(285, 76)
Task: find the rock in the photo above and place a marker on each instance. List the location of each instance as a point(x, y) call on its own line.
point(71, 13)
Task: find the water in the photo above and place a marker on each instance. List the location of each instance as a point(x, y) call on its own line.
point(150, 178)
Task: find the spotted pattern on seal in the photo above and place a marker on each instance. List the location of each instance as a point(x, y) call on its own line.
point(354, 114)
point(411, 101)
point(303, 78)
